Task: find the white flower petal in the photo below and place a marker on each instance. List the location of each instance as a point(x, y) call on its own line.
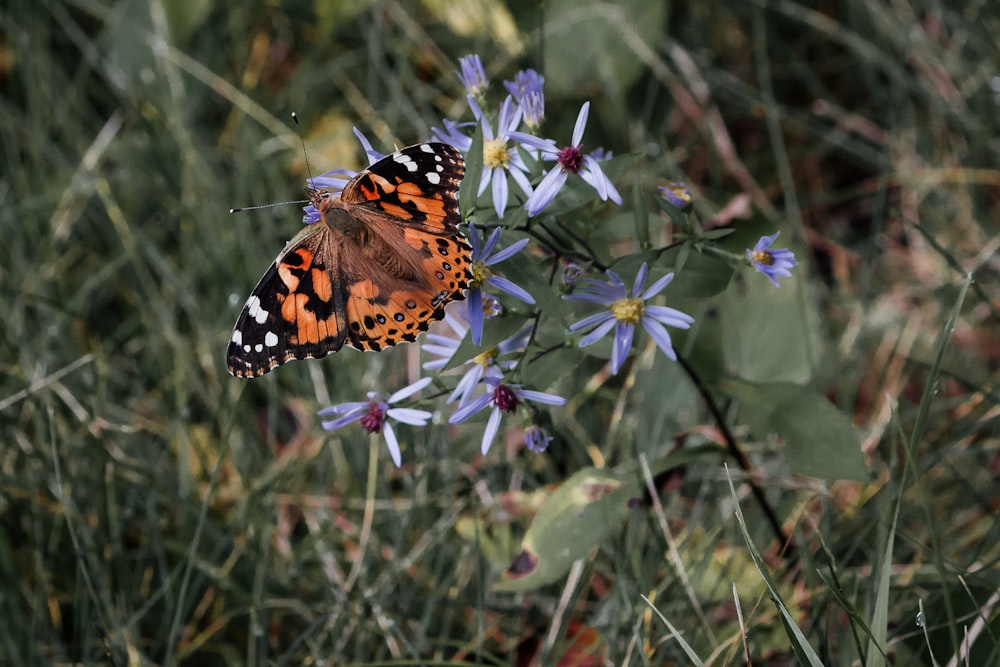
point(392, 444)
point(410, 390)
point(492, 426)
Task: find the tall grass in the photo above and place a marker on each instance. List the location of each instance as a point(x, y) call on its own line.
point(155, 510)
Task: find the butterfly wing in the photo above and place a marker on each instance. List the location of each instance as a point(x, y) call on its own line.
point(409, 259)
point(383, 263)
point(295, 311)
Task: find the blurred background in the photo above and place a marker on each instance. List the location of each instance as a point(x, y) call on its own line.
point(155, 510)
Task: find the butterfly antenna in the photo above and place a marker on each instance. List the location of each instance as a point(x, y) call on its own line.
point(298, 130)
point(305, 155)
point(280, 203)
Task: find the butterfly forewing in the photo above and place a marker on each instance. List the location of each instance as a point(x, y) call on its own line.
point(418, 185)
point(372, 279)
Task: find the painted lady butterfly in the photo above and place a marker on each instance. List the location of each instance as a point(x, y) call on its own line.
point(381, 264)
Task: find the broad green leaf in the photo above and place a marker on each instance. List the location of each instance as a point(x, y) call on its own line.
point(585, 510)
point(468, 191)
point(770, 334)
point(820, 441)
point(582, 512)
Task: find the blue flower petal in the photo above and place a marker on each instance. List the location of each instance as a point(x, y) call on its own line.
point(408, 391)
point(546, 191)
point(343, 421)
point(410, 416)
point(491, 243)
point(507, 252)
point(343, 408)
point(600, 332)
point(640, 279)
point(658, 286)
point(540, 397)
point(581, 124)
point(392, 444)
point(511, 288)
point(499, 191)
point(475, 312)
point(623, 343)
point(492, 426)
point(470, 408)
point(591, 320)
point(669, 316)
point(659, 334)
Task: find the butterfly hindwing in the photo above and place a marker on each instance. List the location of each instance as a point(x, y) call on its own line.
point(295, 312)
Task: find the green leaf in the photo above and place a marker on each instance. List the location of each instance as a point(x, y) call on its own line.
point(468, 191)
point(820, 441)
point(585, 510)
point(770, 334)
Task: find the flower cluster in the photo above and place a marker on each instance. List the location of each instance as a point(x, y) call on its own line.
point(489, 380)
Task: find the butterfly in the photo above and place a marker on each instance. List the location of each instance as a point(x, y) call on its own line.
point(381, 263)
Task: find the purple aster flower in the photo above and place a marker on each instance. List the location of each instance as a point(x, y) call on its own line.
point(627, 311)
point(569, 160)
point(525, 82)
point(499, 159)
point(527, 90)
point(536, 438)
point(677, 194)
point(373, 155)
point(336, 179)
point(571, 274)
point(533, 110)
point(472, 76)
point(452, 135)
point(489, 364)
point(503, 398)
point(492, 308)
point(772, 263)
point(483, 258)
point(375, 413)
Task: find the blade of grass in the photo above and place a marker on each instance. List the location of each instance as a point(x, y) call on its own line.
point(800, 645)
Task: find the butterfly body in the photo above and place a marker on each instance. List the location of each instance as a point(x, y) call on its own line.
point(382, 262)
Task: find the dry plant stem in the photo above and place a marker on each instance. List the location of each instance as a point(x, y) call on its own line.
point(788, 546)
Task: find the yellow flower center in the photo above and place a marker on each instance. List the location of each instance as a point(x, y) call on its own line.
point(763, 257)
point(495, 154)
point(480, 272)
point(487, 358)
point(627, 310)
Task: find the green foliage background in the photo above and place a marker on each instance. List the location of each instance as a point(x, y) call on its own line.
point(155, 510)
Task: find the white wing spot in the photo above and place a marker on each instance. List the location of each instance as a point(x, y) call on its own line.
point(405, 160)
point(270, 339)
point(432, 177)
point(237, 337)
point(427, 148)
point(439, 167)
point(258, 348)
point(255, 311)
point(246, 348)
